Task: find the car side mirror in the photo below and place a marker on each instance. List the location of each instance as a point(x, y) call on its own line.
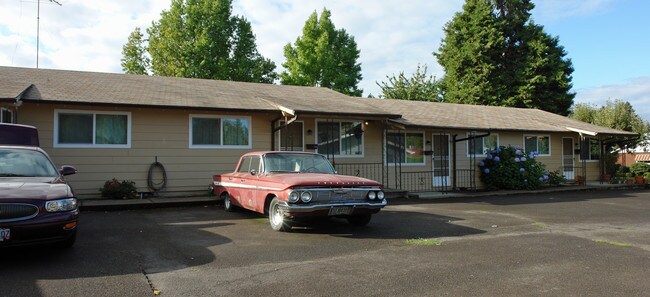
point(253, 172)
point(67, 170)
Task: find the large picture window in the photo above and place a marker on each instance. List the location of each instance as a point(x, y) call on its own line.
point(343, 138)
point(404, 148)
point(92, 129)
point(479, 146)
point(219, 132)
point(539, 144)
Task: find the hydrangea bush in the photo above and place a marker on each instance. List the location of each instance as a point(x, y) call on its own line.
point(510, 168)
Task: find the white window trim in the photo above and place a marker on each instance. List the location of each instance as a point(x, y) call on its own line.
point(279, 137)
point(212, 146)
point(590, 160)
point(424, 141)
point(363, 138)
point(550, 145)
point(482, 140)
point(56, 143)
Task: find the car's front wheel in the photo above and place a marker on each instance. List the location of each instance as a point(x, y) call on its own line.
point(227, 203)
point(359, 220)
point(276, 217)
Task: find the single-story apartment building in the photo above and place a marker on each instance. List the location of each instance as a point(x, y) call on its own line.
point(117, 125)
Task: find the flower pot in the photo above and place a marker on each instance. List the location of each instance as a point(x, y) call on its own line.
point(640, 180)
point(629, 181)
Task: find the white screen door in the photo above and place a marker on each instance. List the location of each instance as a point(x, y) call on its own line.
point(567, 158)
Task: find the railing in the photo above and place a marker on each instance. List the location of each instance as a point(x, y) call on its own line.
point(419, 181)
point(466, 179)
point(374, 171)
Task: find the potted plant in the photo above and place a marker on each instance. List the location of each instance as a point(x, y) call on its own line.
point(638, 169)
point(629, 178)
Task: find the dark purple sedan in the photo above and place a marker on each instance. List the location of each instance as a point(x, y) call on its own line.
point(36, 204)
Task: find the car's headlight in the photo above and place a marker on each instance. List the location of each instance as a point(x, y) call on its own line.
point(380, 195)
point(61, 205)
point(294, 196)
point(305, 196)
point(372, 195)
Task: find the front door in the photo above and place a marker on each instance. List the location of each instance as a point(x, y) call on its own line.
point(440, 160)
point(567, 158)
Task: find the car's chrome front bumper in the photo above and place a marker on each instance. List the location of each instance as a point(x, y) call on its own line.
point(324, 208)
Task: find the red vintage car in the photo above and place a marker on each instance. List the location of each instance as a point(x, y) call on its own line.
point(288, 185)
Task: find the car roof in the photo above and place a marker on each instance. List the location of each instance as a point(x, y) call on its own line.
point(260, 153)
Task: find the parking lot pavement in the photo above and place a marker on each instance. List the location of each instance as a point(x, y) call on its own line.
point(587, 243)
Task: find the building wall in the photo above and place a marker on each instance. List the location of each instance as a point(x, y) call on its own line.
point(161, 133)
point(164, 133)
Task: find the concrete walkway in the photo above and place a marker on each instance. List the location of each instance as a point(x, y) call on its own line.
point(107, 204)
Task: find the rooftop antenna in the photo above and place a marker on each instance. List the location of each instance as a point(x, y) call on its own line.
point(38, 24)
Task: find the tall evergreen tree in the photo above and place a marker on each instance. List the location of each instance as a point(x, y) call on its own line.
point(323, 56)
point(493, 54)
point(134, 59)
point(419, 86)
point(202, 39)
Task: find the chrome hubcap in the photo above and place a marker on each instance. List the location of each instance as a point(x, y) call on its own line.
point(277, 216)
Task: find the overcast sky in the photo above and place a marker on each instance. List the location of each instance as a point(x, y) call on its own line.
point(608, 41)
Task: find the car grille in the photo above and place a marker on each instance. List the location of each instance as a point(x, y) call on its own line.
point(10, 212)
point(325, 195)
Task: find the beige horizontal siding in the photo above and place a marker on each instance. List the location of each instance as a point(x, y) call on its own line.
point(155, 133)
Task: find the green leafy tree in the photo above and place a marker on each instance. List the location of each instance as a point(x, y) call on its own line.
point(616, 114)
point(493, 54)
point(323, 56)
point(134, 58)
point(202, 39)
point(420, 86)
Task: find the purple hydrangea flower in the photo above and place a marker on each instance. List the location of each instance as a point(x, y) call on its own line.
point(518, 147)
point(522, 169)
point(497, 159)
point(481, 164)
point(489, 157)
point(545, 177)
point(486, 170)
point(517, 160)
point(523, 159)
point(518, 152)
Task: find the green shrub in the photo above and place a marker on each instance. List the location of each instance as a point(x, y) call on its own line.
point(624, 169)
point(555, 178)
point(647, 176)
point(114, 189)
point(510, 168)
point(639, 168)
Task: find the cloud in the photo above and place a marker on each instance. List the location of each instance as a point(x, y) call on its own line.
point(393, 35)
point(636, 91)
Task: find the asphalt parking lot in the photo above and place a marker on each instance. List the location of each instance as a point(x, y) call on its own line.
point(571, 243)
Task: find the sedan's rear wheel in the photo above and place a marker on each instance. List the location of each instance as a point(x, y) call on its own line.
point(227, 204)
point(276, 217)
point(359, 220)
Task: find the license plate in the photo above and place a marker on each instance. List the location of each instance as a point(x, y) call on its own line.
point(5, 234)
point(340, 210)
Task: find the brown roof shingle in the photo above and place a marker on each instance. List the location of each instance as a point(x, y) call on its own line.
point(123, 89)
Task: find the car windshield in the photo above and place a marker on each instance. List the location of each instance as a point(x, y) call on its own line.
point(24, 162)
point(287, 162)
